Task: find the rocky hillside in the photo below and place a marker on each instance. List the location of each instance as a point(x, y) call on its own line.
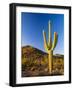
point(35, 62)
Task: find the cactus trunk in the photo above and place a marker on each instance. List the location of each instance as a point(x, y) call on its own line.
point(50, 60)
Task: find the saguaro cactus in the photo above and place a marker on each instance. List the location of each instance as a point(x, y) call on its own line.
point(49, 46)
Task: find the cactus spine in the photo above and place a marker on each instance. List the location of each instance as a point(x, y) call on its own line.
point(49, 46)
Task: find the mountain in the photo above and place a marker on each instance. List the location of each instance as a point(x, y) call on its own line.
point(35, 62)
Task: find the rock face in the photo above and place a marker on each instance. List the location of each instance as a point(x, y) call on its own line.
point(35, 63)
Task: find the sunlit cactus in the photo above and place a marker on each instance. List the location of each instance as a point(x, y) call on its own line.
point(49, 46)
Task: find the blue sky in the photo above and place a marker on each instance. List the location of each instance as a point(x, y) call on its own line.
point(32, 26)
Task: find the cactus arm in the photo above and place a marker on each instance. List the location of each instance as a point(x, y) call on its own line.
point(50, 36)
point(55, 41)
point(45, 41)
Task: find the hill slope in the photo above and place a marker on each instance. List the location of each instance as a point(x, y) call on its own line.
point(35, 62)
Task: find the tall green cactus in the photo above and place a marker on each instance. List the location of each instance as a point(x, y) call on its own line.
point(49, 46)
